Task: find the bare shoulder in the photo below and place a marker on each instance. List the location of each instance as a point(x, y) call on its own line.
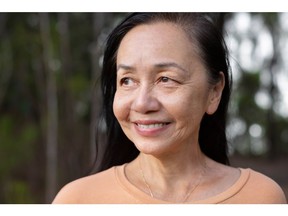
point(83, 190)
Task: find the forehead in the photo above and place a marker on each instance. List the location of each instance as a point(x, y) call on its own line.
point(168, 32)
point(161, 38)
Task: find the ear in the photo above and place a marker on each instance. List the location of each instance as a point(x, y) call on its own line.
point(215, 95)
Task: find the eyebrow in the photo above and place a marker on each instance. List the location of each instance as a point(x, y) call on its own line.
point(161, 65)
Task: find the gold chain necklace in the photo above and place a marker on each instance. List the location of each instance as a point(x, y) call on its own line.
point(145, 182)
point(190, 191)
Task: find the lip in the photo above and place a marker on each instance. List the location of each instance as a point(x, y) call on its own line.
point(150, 127)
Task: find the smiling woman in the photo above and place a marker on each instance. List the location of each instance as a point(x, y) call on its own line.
point(166, 87)
point(160, 75)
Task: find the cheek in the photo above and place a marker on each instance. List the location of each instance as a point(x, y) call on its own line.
point(116, 106)
point(188, 106)
point(120, 107)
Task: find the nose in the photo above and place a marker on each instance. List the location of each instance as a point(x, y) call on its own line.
point(145, 100)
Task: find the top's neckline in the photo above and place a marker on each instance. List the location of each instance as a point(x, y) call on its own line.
point(142, 197)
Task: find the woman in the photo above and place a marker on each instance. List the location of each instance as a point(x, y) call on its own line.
point(166, 87)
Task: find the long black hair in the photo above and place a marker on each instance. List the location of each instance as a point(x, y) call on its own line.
point(118, 149)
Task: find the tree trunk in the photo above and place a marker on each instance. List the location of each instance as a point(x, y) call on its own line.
point(52, 110)
point(272, 23)
point(66, 105)
point(6, 58)
point(272, 90)
point(6, 67)
point(98, 23)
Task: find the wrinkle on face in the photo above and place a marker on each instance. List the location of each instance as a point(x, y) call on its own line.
point(146, 53)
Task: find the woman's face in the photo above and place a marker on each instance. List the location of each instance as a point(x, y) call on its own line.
point(162, 89)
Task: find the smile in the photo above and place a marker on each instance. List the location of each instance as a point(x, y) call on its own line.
point(151, 126)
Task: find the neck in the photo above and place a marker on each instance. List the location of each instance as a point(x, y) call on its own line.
point(171, 177)
point(171, 168)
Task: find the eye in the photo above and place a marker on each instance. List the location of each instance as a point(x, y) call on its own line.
point(165, 79)
point(126, 81)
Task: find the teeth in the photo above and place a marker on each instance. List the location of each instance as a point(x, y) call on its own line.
point(151, 126)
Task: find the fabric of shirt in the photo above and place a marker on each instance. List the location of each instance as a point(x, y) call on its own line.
point(112, 187)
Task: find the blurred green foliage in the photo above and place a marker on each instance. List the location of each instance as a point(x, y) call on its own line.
point(17, 146)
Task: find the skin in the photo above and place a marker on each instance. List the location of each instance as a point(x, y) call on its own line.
point(154, 76)
point(162, 94)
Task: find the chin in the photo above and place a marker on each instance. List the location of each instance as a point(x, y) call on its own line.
point(152, 148)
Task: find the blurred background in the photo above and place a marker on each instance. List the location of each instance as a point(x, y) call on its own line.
point(49, 97)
